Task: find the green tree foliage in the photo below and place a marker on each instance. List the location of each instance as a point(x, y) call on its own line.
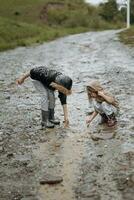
point(132, 11)
point(123, 12)
point(109, 10)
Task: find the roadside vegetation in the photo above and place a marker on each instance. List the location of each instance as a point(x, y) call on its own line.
point(28, 22)
point(127, 36)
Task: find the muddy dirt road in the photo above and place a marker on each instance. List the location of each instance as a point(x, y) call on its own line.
point(94, 163)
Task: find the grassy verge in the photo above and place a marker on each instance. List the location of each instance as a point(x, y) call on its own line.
point(13, 34)
point(127, 36)
point(26, 22)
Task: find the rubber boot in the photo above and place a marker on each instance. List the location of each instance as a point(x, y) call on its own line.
point(52, 118)
point(104, 119)
point(45, 120)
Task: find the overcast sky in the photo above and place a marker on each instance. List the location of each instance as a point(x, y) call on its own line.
point(97, 1)
point(93, 1)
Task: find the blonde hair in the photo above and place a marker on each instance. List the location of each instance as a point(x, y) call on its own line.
point(94, 86)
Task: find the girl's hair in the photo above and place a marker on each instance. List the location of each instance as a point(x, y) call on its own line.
point(89, 93)
point(93, 87)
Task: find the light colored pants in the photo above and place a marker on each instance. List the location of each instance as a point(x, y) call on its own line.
point(104, 107)
point(47, 96)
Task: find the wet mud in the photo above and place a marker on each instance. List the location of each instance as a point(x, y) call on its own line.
point(81, 163)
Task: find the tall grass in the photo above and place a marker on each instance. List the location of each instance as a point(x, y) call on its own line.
point(127, 36)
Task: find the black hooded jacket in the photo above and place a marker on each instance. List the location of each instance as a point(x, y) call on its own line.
point(46, 76)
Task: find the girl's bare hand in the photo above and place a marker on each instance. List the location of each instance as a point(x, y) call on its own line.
point(101, 93)
point(88, 119)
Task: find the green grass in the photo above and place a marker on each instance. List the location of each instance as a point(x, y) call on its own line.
point(127, 36)
point(21, 23)
point(29, 10)
point(13, 34)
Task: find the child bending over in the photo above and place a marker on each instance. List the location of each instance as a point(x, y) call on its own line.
point(46, 81)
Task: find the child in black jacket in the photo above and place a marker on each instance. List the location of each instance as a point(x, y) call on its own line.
point(46, 81)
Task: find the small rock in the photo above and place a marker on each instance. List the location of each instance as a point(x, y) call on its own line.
point(1, 133)
point(10, 155)
point(1, 149)
point(79, 140)
point(7, 97)
point(57, 145)
point(99, 155)
point(43, 140)
point(50, 179)
point(103, 136)
point(80, 91)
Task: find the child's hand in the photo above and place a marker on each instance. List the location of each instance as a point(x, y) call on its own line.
point(88, 120)
point(101, 93)
point(66, 123)
point(53, 85)
point(19, 81)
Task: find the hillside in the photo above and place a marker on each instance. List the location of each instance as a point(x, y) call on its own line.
point(34, 21)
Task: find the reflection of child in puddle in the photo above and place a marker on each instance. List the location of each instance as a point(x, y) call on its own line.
point(104, 104)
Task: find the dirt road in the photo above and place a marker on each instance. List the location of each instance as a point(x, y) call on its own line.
point(94, 163)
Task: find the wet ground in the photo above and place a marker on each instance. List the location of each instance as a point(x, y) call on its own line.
point(94, 163)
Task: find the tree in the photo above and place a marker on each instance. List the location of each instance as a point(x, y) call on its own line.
point(132, 11)
point(109, 10)
point(123, 11)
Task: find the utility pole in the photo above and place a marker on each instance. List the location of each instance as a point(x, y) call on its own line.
point(128, 13)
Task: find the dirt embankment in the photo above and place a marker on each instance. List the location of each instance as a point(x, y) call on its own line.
point(94, 163)
point(49, 7)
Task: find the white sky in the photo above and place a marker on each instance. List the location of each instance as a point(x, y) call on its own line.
point(98, 1)
point(93, 1)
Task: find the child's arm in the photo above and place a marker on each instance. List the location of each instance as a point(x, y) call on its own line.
point(65, 111)
point(91, 117)
point(22, 78)
point(109, 99)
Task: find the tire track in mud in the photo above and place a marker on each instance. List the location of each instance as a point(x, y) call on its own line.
point(105, 180)
point(105, 172)
point(70, 151)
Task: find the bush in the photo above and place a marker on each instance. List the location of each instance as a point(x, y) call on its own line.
point(127, 36)
point(78, 19)
point(56, 17)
